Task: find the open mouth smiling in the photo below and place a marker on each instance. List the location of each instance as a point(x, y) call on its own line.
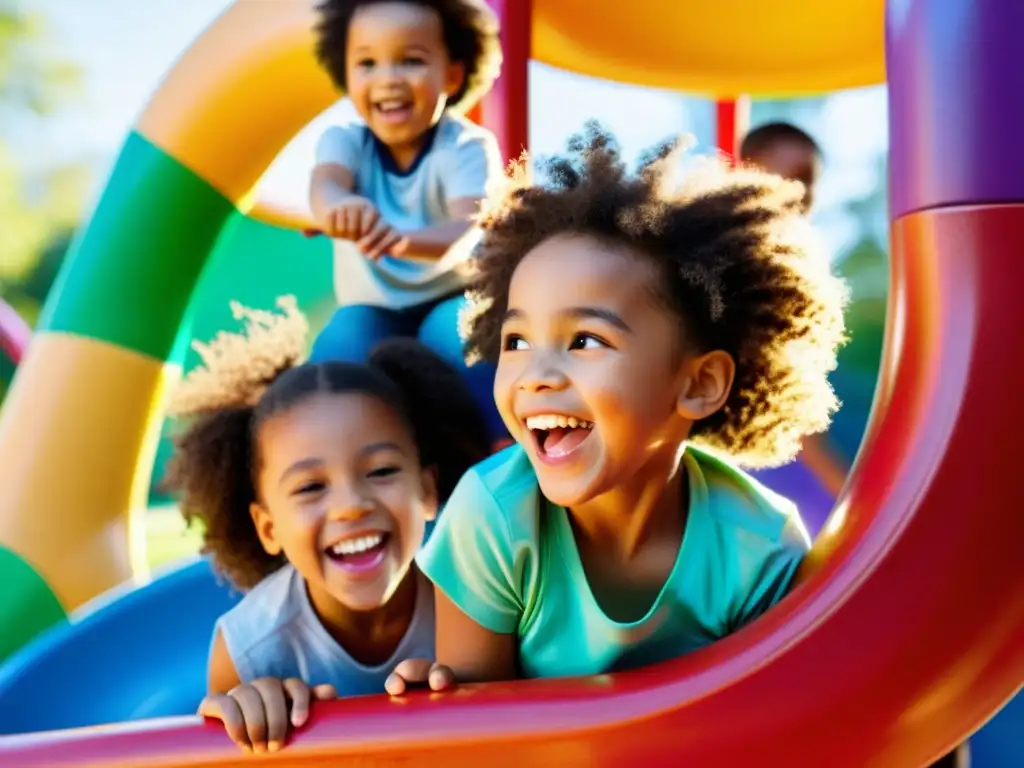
point(558, 436)
point(360, 552)
point(393, 110)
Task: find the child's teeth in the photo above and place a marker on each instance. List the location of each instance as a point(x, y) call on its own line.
point(361, 544)
point(553, 420)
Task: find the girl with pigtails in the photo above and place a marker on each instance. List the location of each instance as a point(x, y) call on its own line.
point(315, 483)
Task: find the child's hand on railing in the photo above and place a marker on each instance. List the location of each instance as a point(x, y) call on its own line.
point(416, 672)
point(257, 715)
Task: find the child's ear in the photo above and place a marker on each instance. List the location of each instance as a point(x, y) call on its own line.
point(707, 382)
point(428, 477)
point(454, 77)
point(264, 528)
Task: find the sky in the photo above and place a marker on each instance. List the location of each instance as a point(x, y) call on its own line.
point(125, 46)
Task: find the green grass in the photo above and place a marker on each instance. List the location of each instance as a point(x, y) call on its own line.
point(167, 539)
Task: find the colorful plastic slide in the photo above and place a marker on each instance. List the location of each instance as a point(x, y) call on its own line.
point(904, 635)
point(135, 653)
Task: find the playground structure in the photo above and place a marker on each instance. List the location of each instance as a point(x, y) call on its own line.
point(14, 333)
point(901, 639)
point(14, 337)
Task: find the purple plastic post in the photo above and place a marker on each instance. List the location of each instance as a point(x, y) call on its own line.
point(956, 102)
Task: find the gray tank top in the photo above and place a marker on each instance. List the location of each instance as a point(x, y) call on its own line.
point(274, 632)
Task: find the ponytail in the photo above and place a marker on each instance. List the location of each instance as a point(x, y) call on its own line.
point(211, 474)
point(212, 467)
point(448, 425)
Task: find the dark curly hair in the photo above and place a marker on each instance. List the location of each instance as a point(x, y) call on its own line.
point(766, 136)
point(248, 378)
point(739, 268)
point(471, 38)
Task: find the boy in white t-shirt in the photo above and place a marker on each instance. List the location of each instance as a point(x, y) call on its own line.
point(398, 189)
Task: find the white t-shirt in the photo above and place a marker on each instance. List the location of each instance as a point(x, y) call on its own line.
point(459, 160)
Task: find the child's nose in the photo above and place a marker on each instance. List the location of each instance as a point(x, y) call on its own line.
point(389, 74)
point(350, 505)
point(542, 372)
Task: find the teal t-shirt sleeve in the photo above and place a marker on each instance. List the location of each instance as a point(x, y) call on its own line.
point(470, 166)
point(469, 557)
point(776, 569)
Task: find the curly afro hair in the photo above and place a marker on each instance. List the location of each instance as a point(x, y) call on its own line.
point(740, 269)
point(470, 37)
point(250, 377)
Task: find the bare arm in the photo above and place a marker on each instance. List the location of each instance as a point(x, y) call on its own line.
point(221, 675)
point(433, 242)
point(478, 601)
point(329, 185)
point(343, 214)
point(474, 654)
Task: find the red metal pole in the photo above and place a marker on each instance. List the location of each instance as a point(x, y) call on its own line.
point(733, 122)
point(505, 109)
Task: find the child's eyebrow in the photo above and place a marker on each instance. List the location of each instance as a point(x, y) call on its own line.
point(513, 314)
point(579, 313)
point(386, 445)
point(300, 466)
point(599, 313)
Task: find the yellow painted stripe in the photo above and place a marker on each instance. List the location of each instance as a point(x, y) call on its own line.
point(282, 216)
point(78, 432)
point(246, 87)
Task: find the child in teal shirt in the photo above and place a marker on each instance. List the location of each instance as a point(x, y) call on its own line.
point(652, 333)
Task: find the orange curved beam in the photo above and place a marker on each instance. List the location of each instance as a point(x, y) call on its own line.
point(205, 112)
point(783, 47)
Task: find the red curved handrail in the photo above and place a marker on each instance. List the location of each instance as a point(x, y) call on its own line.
point(14, 333)
point(903, 639)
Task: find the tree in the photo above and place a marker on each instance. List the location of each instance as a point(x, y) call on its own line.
point(38, 207)
point(34, 84)
point(30, 78)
